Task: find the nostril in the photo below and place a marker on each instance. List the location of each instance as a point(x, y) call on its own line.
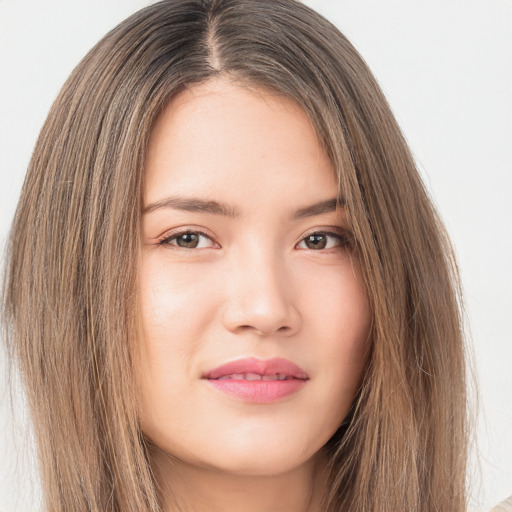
point(263, 321)
point(264, 332)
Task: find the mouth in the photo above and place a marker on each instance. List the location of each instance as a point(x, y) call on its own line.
point(254, 376)
point(258, 381)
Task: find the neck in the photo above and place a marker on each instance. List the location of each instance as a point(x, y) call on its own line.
point(188, 488)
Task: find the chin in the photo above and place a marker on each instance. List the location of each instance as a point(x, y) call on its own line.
point(262, 465)
point(257, 458)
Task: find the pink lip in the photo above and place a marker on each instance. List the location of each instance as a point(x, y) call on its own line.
point(258, 391)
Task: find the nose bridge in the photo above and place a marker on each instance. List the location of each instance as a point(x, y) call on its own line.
point(261, 292)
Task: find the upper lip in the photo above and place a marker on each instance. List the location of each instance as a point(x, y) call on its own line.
point(273, 366)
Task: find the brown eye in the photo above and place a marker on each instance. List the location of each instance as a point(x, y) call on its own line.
point(325, 240)
point(188, 240)
point(316, 241)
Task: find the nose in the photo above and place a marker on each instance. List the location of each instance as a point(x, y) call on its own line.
point(260, 297)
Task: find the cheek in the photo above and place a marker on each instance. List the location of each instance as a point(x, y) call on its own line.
point(174, 311)
point(173, 318)
point(342, 319)
point(339, 308)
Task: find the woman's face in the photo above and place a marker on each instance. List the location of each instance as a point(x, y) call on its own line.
point(245, 260)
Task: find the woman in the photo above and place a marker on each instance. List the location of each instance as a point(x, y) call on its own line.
point(227, 288)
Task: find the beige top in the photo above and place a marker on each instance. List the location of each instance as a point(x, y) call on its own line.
point(504, 506)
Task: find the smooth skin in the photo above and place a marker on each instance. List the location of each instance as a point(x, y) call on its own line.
point(235, 265)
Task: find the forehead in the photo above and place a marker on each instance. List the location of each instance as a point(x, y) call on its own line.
point(226, 140)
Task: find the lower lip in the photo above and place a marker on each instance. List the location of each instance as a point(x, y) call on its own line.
point(258, 391)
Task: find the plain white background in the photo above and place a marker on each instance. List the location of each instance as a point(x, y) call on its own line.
point(446, 68)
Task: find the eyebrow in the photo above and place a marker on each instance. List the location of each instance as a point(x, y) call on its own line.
point(330, 205)
point(193, 204)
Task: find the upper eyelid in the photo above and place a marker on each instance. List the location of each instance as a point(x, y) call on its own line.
point(336, 231)
point(345, 237)
point(328, 230)
point(185, 229)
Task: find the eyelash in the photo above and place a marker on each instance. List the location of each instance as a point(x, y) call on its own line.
point(166, 241)
point(344, 240)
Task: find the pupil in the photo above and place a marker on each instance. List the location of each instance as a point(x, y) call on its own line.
point(316, 241)
point(189, 240)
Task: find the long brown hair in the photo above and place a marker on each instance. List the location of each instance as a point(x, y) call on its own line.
point(70, 296)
